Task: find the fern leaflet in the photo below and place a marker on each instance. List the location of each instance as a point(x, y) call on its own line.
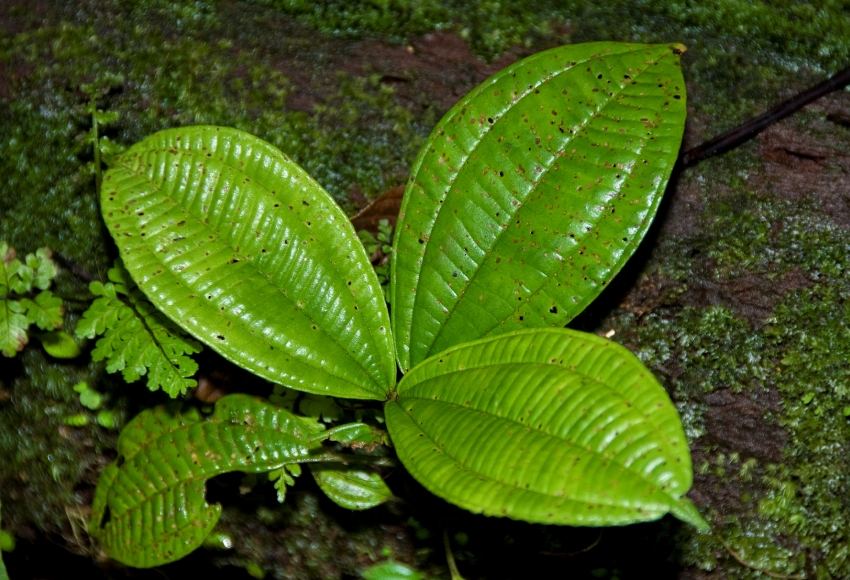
point(137, 339)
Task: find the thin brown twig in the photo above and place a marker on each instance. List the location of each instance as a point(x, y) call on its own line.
point(588, 548)
point(743, 133)
point(743, 562)
point(577, 552)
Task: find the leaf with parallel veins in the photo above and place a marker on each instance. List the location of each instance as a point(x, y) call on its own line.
point(532, 192)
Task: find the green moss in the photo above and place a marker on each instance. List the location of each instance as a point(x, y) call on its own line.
point(792, 516)
point(809, 34)
point(47, 464)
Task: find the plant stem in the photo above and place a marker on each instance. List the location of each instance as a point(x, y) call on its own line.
point(450, 557)
point(743, 133)
point(350, 459)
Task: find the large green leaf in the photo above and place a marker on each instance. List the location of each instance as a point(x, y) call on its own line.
point(239, 246)
point(149, 506)
point(545, 425)
point(532, 192)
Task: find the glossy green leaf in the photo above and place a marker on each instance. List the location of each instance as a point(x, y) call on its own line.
point(149, 506)
point(59, 344)
point(392, 571)
point(544, 425)
point(244, 250)
point(532, 192)
point(351, 488)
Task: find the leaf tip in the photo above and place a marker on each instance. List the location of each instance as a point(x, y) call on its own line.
point(686, 511)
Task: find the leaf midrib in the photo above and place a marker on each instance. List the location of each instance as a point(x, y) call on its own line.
point(607, 385)
point(512, 485)
point(618, 395)
point(120, 162)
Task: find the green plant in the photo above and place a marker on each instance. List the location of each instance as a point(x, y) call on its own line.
point(25, 300)
point(380, 248)
point(137, 338)
point(528, 197)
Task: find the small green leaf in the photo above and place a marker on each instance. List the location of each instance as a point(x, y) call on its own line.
point(9, 270)
point(392, 571)
point(284, 477)
point(320, 408)
point(43, 266)
point(354, 489)
point(91, 399)
point(13, 327)
point(255, 570)
point(105, 117)
point(45, 310)
point(358, 436)
point(59, 344)
point(154, 492)
point(78, 420)
point(244, 250)
point(544, 425)
point(370, 244)
point(532, 192)
point(219, 541)
point(107, 420)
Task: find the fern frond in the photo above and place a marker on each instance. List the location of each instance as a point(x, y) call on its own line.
point(45, 310)
point(137, 339)
point(13, 327)
point(16, 314)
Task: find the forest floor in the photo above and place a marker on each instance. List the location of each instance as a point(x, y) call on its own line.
point(738, 299)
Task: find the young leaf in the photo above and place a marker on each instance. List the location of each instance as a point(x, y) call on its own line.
point(43, 268)
point(149, 506)
point(239, 246)
point(137, 339)
point(354, 489)
point(13, 327)
point(45, 310)
point(544, 425)
point(283, 477)
point(532, 192)
point(59, 344)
